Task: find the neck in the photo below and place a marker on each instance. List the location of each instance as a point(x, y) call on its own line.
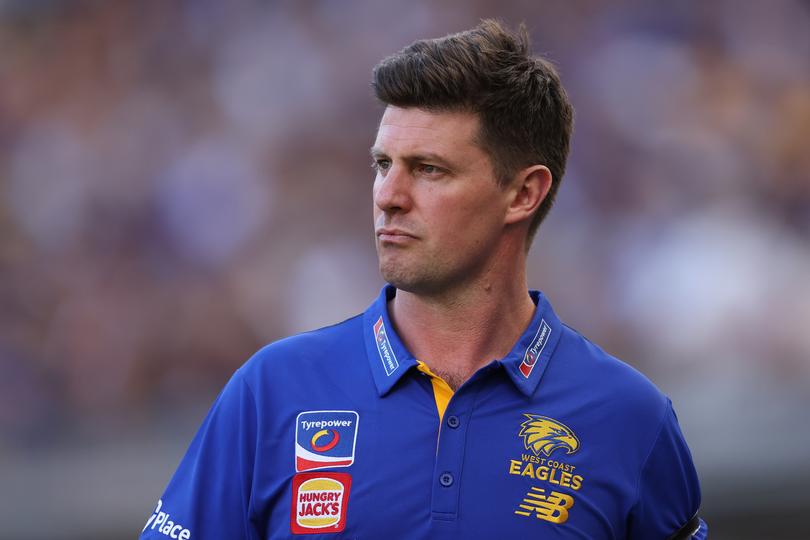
point(458, 331)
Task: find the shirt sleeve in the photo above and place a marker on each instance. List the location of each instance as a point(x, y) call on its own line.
point(669, 491)
point(209, 495)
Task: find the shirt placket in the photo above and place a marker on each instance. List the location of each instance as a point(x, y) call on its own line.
point(450, 449)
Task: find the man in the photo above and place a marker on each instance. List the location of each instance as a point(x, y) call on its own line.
point(457, 405)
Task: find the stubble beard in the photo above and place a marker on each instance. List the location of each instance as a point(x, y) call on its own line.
point(420, 274)
point(408, 272)
point(400, 274)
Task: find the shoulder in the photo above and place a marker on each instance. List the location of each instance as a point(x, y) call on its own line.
point(607, 382)
point(612, 405)
point(318, 349)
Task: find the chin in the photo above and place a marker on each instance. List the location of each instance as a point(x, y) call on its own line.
point(395, 277)
point(413, 281)
point(399, 277)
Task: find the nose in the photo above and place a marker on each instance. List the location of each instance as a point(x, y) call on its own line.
point(392, 190)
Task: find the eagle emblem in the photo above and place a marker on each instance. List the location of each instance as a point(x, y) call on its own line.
point(544, 435)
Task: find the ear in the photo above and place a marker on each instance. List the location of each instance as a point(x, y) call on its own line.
point(529, 188)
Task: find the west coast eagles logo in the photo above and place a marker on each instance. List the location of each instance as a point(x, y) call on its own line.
point(544, 435)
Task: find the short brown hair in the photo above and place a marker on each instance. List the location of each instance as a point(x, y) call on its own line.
point(526, 118)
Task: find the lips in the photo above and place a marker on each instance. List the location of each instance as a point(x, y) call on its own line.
point(386, 234)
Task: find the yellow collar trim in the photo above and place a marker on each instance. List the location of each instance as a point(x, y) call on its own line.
point(441, 390)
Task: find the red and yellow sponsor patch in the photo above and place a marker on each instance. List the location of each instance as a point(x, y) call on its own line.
point(319, 502)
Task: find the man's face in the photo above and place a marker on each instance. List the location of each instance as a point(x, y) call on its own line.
point(438, 210)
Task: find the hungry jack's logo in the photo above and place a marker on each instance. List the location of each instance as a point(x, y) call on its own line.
point(325, 439)
point(319, 502)
point(544, 435)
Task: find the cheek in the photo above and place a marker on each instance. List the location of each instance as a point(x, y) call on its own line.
point(470, 223)
point(454, 225)
point(465, 214)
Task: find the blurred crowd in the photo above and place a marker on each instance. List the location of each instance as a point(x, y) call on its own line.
point(182, 182)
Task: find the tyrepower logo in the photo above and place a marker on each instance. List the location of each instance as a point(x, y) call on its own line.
point(389, 359)
point(319, 502)
point(325, 439)
point(535, 349)
point(164, 524)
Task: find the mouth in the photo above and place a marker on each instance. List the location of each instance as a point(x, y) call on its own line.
point(395, 236)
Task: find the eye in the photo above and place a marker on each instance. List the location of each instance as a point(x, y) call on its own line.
point(381, 165)
point(430, 170)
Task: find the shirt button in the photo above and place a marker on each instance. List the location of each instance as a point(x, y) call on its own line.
point(446, 479)
point(453, 421)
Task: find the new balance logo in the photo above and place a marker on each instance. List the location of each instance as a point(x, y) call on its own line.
point(553, 507)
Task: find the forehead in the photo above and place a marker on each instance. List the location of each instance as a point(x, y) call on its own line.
point(412, 130)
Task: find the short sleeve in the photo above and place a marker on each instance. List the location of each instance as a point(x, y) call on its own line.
point(209, 495)
point(668, 491)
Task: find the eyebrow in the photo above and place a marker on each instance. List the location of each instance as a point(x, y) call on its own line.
point(418, 157)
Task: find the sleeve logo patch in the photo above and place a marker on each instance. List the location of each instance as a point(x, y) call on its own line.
point(319, 502)
point(325, 439)
point(164, 524)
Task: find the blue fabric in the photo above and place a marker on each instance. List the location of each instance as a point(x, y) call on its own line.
point(335, 434)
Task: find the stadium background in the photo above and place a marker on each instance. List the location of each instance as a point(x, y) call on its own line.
point(181, 182)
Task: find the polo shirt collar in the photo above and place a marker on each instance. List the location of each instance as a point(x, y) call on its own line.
point(389, 358)
point(525, 363)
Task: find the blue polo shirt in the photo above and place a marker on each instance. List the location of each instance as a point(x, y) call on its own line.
point(342, 433)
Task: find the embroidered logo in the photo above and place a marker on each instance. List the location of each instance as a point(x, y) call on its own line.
point(535, 349)
point(553, 507)
point(319, 502)
point(543, 435)
point(325, 439)
point(389, 359)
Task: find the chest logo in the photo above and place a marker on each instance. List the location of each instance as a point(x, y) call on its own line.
point(319, 502)
point(544, 435)
point(552, 507)
point(325, 439)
